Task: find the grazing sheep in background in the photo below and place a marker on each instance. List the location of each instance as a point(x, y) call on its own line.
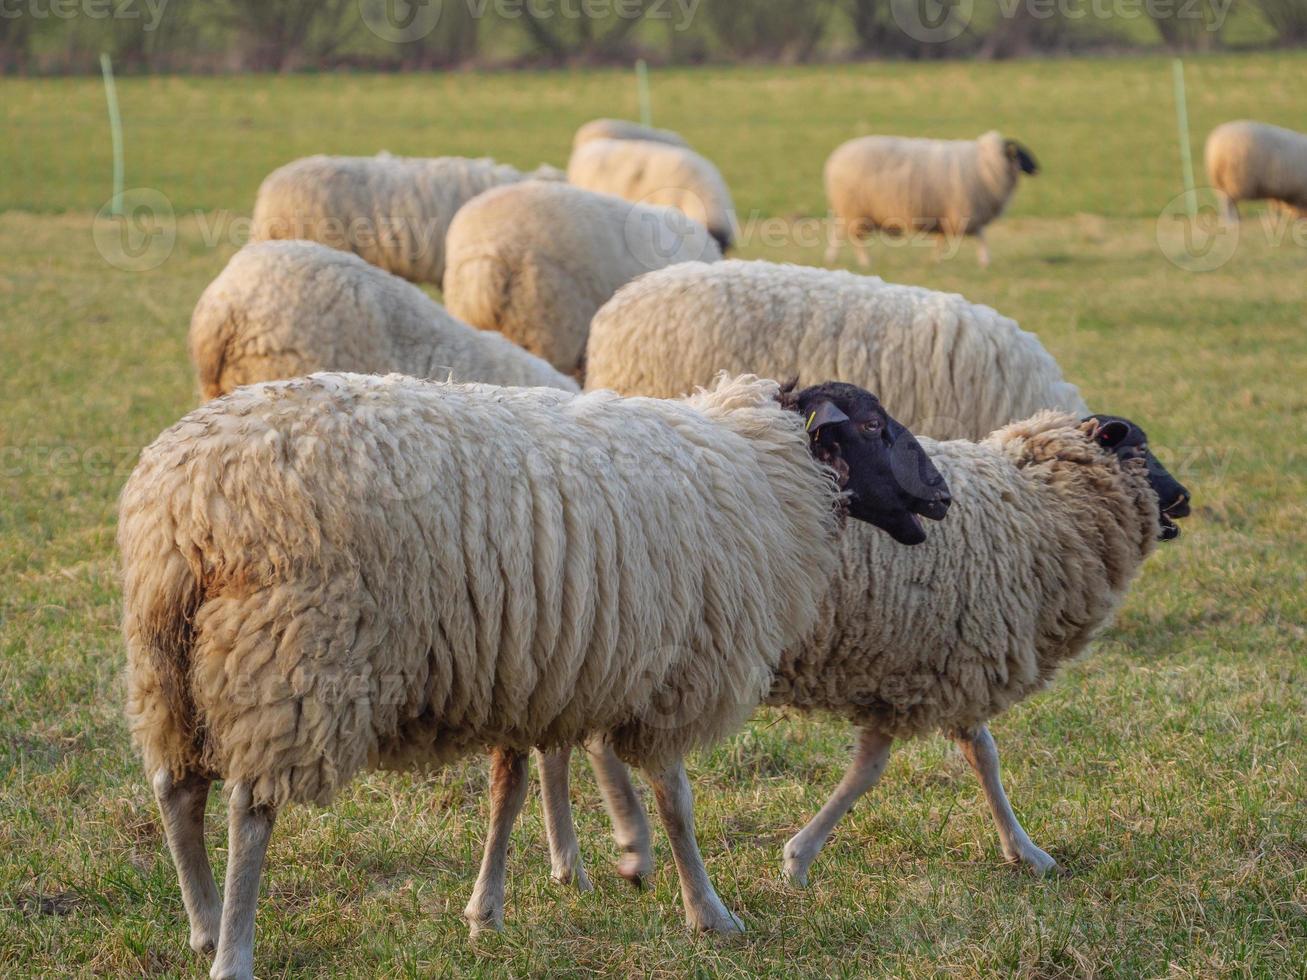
point(343, 571)
point(286, 309)
point(902, 185)
point(1052, 520)
point(657, 173)
point(1250, 161)
point(949, 368)
point(392, 211)
point(535, 260)
point(621, 129)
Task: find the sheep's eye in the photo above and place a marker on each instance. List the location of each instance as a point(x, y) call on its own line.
point(871, 425)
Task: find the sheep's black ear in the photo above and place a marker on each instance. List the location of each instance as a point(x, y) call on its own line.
point(823, 414)
point(1112, 434)
point(1023, 157)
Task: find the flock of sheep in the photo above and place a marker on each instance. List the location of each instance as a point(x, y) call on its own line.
point(600, 525)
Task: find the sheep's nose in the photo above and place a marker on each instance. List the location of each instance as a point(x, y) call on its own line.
point(1179, 507)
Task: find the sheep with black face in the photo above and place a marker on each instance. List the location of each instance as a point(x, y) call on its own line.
point(904, 185)
point(1051, 520)
point(611, 557)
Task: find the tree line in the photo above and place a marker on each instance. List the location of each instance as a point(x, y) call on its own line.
point(58, 36)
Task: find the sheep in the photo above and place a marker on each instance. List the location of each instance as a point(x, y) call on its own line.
point(950, 368)
point(947, 187)
point(657, 173)
point(344, 571)
point(285, 309)
point(535, 260)
point(1052, 520)
point(1248, 161)
point(392, 211)
point(621, 129)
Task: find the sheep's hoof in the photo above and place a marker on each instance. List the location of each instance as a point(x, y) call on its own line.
point(575, 878)
point(1037, 861)
point(795, 872)
point(482, 920)
point(635, 868)
point(717, 921)
point(204, 943)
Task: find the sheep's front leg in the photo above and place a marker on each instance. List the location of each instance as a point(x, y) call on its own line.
point(982, 249)
point(625, 811)
point(982, 753)
point(863, 773)
point(485, 909)
point(248, 829)
point(704, 911)
point(564, 851)
point(181, 805)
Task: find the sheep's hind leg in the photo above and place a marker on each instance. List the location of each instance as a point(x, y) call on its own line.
point(181, 805)
point(704, 911)
point(248, 829)
point(979, 748)
point(564, 851)
point(833, 225)
point(863, 773)
point(485, 909)
point(982, 249)
point(625, 811)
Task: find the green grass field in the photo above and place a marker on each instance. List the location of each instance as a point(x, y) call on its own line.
point(1165, 771)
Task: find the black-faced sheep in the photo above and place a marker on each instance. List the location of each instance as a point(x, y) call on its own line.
point(904, 185)
point(343, 571)
point(535, 260)
point(950, 368)
point(393, 211)
point(287, 309)
point(1053, 518)
point(1250, 161)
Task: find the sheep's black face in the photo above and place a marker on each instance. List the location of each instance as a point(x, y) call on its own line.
point(890, 481)
point(1022, 157)
point(1128, 441)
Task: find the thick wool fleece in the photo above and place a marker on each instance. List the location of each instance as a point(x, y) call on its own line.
point(1045, 533)
point(392, 211)
point(286, 309)
point(621, 129)
point(657, 173)
point(902, 184)
point(1251, 161)
point(535, 260)
point(944, 367)
point(343, 569)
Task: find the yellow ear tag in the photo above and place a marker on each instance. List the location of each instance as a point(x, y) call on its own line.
point(808, 427)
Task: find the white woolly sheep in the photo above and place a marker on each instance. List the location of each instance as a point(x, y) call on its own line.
point(393, 211)
point(1052, 519)
point(621, 129)
point(657, 173)
point(1249, 161)
point(343, 571)
point(535, 260)
point(286, 309)
point(904, 185)
point(948, 368)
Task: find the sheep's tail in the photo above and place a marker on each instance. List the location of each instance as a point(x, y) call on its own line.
point(212, 334)
point(162, 592)
point(484, 286)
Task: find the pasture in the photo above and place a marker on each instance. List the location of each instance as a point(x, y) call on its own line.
point(1165, 771)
